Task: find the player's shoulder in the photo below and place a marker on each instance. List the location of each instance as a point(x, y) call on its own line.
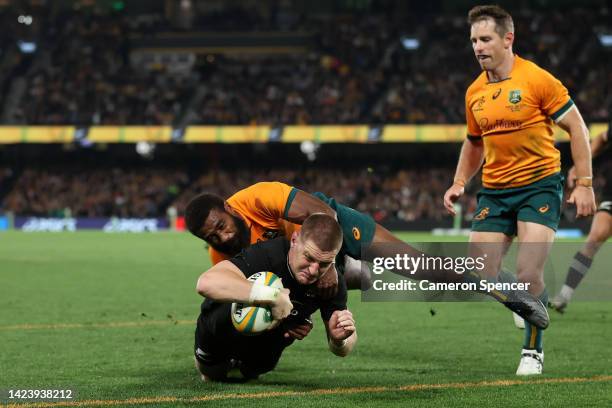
point(528, 65)
point(270, 185)
point(268, 255)
point(532, 71)
point(273, 249)
point(476, 85)
point(263, 185)
point(261, 189)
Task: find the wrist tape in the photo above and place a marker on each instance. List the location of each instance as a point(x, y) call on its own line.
point(263, 294)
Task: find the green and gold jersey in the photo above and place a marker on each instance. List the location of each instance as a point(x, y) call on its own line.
point(514, 118)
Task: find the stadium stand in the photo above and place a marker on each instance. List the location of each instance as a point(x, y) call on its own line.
point(355, 71)
point(148, 192)
point(89, 69)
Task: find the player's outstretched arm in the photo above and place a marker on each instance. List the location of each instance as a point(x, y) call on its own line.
point(304, 205)
point(600, 142)
point(341, 332)
point(582, 195)
point(226, 283)
point(327, 285)
point(470, 161)
point(597, 146)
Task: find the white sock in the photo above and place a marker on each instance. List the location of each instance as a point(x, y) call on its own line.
point(566, 292)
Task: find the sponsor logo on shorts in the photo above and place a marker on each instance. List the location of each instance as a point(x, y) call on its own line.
point(356, 233)
point(482, 214)
point(544, 209)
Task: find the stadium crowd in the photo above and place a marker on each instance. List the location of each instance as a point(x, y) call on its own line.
point(357, 71)
point(85, 78)
point(405, 195)
point(94, 193)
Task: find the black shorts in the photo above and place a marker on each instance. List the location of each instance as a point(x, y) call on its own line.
point(606, 205)
point(217, 343)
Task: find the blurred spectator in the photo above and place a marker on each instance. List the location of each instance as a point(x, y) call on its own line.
point(86, 78)
point(357, 72)
point(94, 193)
point(406, 195)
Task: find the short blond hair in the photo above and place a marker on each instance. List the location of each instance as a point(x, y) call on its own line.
point(323, 230)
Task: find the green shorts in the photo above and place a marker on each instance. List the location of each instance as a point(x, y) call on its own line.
point(358, 228)
point(500, 209)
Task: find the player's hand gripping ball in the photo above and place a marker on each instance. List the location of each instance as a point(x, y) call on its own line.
point(252, 320)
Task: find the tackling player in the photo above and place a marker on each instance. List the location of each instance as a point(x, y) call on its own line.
point(300, 262)
point(510, 110)
point(269, 209)
point(264, 211)
point(601, 228)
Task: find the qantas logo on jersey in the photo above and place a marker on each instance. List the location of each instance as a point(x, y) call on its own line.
point(499, 124)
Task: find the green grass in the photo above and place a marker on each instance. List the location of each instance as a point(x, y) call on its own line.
point(91, 281)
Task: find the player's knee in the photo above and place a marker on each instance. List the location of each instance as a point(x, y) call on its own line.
point(266, 367)
point(253, 369)
point(530, 275)
point(598, 235)
point(212, 372)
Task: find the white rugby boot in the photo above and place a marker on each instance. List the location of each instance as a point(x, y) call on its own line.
point(531, 363)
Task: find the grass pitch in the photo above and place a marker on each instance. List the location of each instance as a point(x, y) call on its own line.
point(111, 316)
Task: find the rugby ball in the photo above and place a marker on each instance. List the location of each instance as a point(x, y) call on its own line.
point(251, 320)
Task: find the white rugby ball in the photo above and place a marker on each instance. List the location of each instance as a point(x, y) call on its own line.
point(248, 319)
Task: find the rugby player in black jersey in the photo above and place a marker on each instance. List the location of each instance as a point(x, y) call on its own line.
point(299, 262)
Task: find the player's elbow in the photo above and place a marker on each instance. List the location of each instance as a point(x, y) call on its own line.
point(203, 285)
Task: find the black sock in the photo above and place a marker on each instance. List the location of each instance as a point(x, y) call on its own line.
point(579, 267)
